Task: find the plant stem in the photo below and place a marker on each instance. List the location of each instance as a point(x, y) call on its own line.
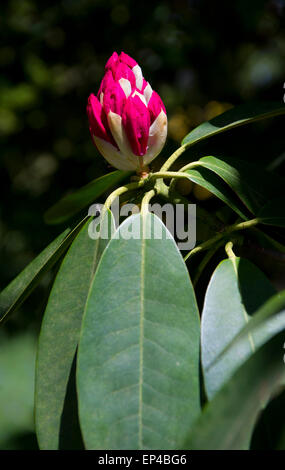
point(173, 158)
point(229, 250)
point(168, 174)
point(123, 189)
point(219, 236)
point(183, 169)
point(242, 225)
point(205, 261)
point(203, 246)
point(190, 165)
point(145, 201)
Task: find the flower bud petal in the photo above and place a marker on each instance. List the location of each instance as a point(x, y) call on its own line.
point(141, 97)
point(114, 156)
point(126, 86)
point(119, 133)
point(155, 105)
point(147, 92)
point(136, 123)
point(106, 83)
point(157, 137)
point(145, 83)
point(132, 162)
point(126, 59)
point(98, 123)
point(139, 78)
point(112, 62)
point(114, 99)
point(123, 71)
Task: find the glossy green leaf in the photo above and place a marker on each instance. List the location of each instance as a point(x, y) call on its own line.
point(266, 322)
point(138, 359)
point(236, 290)
point(227, 422)
point(21, 287)
point(252, 184)
point(237, 116)
point(59, 337)
point(209, 180)
point(75, 202)
point(273, 213)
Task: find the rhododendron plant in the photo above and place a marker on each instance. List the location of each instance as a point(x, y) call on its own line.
point(127, 118)
point(123, 361)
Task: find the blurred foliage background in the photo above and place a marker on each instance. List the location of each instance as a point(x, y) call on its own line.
point(202, 57)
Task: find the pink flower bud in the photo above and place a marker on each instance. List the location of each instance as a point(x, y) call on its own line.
point(127, 120)
point(114, 99)
point(136, 122)
point(126, 59)
point(98, 123)
point(111, 63)
point(155, 105)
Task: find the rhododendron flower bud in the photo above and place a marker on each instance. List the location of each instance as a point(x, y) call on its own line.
point(127, 119)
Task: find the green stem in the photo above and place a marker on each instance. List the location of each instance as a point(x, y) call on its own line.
point(123, 189)
point(173, 158)
point(203, 246)
point(219, 236)
point(145, 201)
point(242, 225)
point(205, 261)
point(190, 165)
point(183, 169)
point(167, 174)
point(229, 250)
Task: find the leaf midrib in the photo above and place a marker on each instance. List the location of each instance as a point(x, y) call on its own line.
point(142, 306)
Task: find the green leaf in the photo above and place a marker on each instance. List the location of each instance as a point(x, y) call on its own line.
point(266, 322)
point(21, 287)
point(17, 366)
point(227, 422)
point(138, 359)
point(252, 184)
point(75, 202)
point(273, 213)
point(60, 334)
point(236, 290)
point(237, 116)
point(209, 180)
point(269, 433)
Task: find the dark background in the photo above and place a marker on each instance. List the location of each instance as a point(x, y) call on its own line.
point(201, 56)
